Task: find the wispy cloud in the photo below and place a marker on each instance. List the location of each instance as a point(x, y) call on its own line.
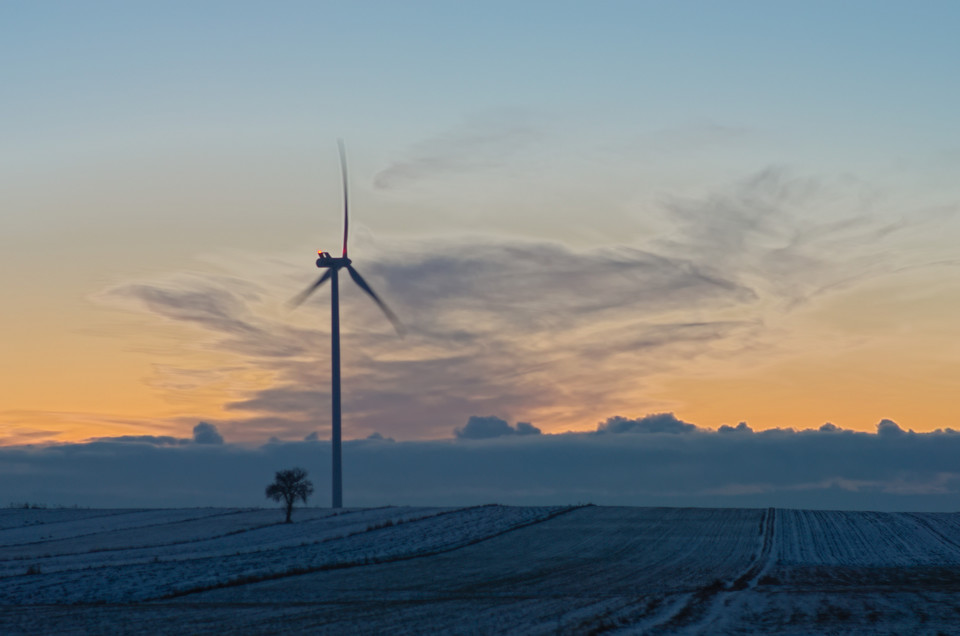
point(792, 238)
point(485, 321)
point(478, 144)
point(221, 306)
point(534, 330)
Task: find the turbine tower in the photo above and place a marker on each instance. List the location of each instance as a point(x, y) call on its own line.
point(333, 265)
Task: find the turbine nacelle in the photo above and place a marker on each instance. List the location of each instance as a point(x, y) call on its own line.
point(325, 260)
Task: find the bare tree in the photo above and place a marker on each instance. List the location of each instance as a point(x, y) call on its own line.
point(288, 486)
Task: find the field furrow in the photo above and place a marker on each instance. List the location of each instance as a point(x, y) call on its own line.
point(836, 538)
point(593, 568)
point(242, 532)
point(371, 536)
point(487, 569)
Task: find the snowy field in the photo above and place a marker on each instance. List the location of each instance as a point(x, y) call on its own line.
point(489, 569)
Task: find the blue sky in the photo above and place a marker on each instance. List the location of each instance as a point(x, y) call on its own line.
point(737, 211)
point(857, 75)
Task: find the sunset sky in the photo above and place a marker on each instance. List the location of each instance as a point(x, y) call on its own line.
point(731, 211)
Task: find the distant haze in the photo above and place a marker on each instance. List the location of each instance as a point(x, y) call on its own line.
point(650, 461)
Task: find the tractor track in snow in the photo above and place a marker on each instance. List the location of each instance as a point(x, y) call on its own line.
point(694, 612)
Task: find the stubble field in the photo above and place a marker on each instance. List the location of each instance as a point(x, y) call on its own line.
point(488, 569)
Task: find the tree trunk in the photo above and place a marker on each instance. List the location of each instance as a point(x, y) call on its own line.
point(289, 510)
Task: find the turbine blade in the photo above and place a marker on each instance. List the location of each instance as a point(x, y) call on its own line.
point(346, 205)
point(358, 279)
point(299, 299)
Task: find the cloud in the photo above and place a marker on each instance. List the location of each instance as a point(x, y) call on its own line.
point(219, 305)
point(479, 144)
point(743, 427)
point(791, 238)
point(551, 284)
point(156, 440)
point(526, 428)
point(696, 136)
point(536, 328)
point(889, 428)
point(208, 305)
point(477, 313)
point(838, 469)
point(656, 423)
point(490, 426)
point(283, 400)
point(204, 433)
point(16, 435)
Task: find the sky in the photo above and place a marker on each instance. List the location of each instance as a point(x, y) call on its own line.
point(728, 212)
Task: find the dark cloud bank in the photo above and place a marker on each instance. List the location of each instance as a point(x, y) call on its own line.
point(490, 426)
point(649, 461)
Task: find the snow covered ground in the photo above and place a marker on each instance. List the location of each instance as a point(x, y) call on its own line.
point(488, 569)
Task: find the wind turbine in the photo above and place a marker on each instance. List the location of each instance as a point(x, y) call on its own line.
point(333, 265)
